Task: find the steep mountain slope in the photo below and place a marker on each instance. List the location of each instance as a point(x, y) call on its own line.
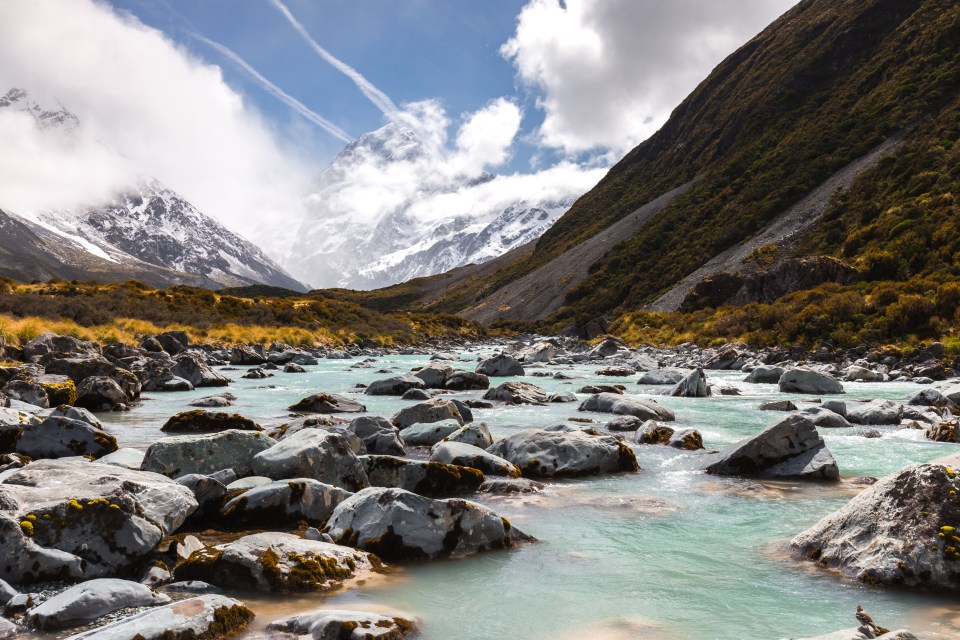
point(362, 233)
point(147, 229)
point(818, 90)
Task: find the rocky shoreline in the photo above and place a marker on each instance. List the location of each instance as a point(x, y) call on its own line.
point(115, 543)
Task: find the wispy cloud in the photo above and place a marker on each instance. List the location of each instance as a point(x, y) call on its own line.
point(380, 100)
point(276, 91)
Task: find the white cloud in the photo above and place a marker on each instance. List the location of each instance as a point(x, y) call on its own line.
point(165, 112)
point(485, 136)
point(609, 72)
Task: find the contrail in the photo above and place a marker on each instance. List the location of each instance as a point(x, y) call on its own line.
point(276, 91)
point(381, 100)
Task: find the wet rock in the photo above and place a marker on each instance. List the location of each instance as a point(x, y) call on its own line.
point(778, 405)
point(624, 423)
point(602, 388)
point(207, 491)
point(506, 486)
point(425, 478)
point(825, 419)
point(415, 394)
point(566, 396)
point(929, 398)
point(205, 616)
point(467, 381)
point(192, 368)
point(627, 406)
point(245, 356)
point(214, 402)
point(378, 435)
point(293, 367)
point(434, 410)
point(100, 393)
point(312, 453)
point(900, 532)
point(837, 406)
point(277, 563)
point(693, 386)
point(875, 412)
point(197, 421)
point(79, 520)
point(616, 372)
point(468, 455)
point(478, 404)
point(518, 393)
point(862, 374)
point(500, 366)
point(802, 380)
point(206, 453)
point(90, 600)
point(328, 403)
point(859, 634)
point(283, 503)
point(947, 431)
point(400, 525)
point(395, 386)
point(427, 435)
point(541, 453)
point(789, 448)
point(58, 437)
point(727, 358)
point(653, 432)
point(686, 439)
point(345, 625)
point(256, 374)
point(765, 374)
point(435, 375)
point(661, 377)
point(476, 434)
point(26, 391)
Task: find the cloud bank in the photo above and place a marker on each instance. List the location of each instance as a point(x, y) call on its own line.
point(608, 73)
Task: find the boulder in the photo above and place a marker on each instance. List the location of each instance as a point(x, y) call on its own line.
point(283, 503)
point(727, 358)
point(400, 525)
point(624, 423)
point(434, 410)
point(802, 380)
point(500, 366)
point(862, 374)
point(75, 413)
point(778, 405)
point(627, 406)
point(900, 532)
point(468, 455)
point(312, 453)
point(275, 562)
point(124, 457)
point(875, 412)
point(477, 434)
point(59, 437)
point(790, 448)
point(416, 394)
point(565, 396)
point(537, 352)
point(467, 381)
point(100, 393)
point(75, 519)
point(616, 372)
point(328, 403)
point(82, 367)
point(518, 393)
point(947, 431)
point(47, 343)
point(429, 434)
point(425, 478)
point(765, 374)
point(693, 386)
point(198, 421)
point(395, 386)
point(214, 402)
point(825, 419)
point(661, 377)
point(837, 406)
point(207, 491)
point(929, 398)
point(205, 616)
point(245, 356)
point(90, 600)
point(541, 453)
point(192, 368)
point(27, 391)
point(435, 375)
point(345, 625)
point(652, 432)
point(602, 388)
point(206, 453)
point(686, 439)
point(378, 435)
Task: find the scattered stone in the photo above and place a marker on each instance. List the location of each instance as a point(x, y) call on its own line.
point(778, 405)
point(192, 368)
point(283, 503)
point(328, 403)
point(415, 394)
point(213, 402)
point(500, 366)
point(395, 386)
point(378, 435)
point(467, 455)
point(541, 453)
point(801, 380)
point(693, 386)
point(765, 375)
point(825, 419)
point(206, 453)
point(433, 479)
point(505, 486)
point(875, 412)
point(602, 388)
point(565, 396)
point(90, 600)
point(434, 410)
point(624, 423)
point(59, 437)
point(435, 375)
point(312, 453)
point(100, 393)
point(293, 367)
point(467, 381)
point(476, 434)
point(345, 625)
point(429, 434)
point(653, 432)
point(661, 377)
point(627, 406)
point(518, 393)
point(686, 439)
point(198, 421)
point(929, 398)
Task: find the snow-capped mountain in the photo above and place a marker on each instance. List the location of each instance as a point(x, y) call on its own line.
point(386, 210)
point(144, 225)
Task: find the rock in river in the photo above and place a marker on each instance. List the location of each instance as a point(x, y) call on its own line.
point(395, 386)
point(312, 453)
point(90, 600)
point(345, 625)
point(400, 525)
point(426, 478)
point(283, 503)
point(802, 380)
point(693, 386)
point(789, 448)
point(627, 406)
point(426, 412)
point(467, 455)
point(206, 453)
point(518, 393)
point(328, 403)
point(197, 421)
point(59, 437)
point(500, 366)
point(540, 453)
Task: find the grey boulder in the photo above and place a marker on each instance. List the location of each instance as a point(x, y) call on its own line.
point(802, 380)
point(345, 625)
point(765, 375)
point(518, 393)
point(425, 478)
point(693, 386)
point(90, 600)
point(627, 406)
point(500, 366)
point(467, 381)
point(58, 437)
point(541, 453)
point(467, 455)
point(283, 503)
point(206, 453)
point(312, 453)
point(429, 434)
point(475, 433)
point(395, 386)
point(434, 410)
point(378, 435)
point(328, 403)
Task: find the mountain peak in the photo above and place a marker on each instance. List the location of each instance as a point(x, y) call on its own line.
point(60, 118)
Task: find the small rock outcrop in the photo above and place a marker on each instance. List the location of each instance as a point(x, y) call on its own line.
point(802, 380)
point(500, 366)
point(540, 453)
point(627, 406)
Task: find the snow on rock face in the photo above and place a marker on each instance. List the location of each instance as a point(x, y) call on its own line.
point(367, 225)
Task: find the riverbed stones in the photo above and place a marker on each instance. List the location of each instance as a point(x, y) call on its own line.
point(432, 478)
point(790, 448)
point(399, 525)
point(765, 374)
point(90, 600)
point(627, 406)
point(929, 398)
point(540, 453)
point(624, 423)
point(345, 625)
point(218, 401)
point(686, 439)
point(416, 394)
point(825, 419)
point(60, 437)
point(518, 393)
point(435, 375)
point(198, 421)
point(205, 616)
point(378, 435)
point(275, 562)
point(283, 503)
point(312, 453)
point(475, 433)
point(434, 410)
point(395, 386)
point(661, 377)
point(27, 391)
point(693, 386)
point(192, 368)
point(429, 434)
point(500, 366)
point(778, 405)
point(900, 532)
point(468, 455)
point(801, 380)
point(63, 519)
point(100, 393)
point(467, 381)
point(206, 453)
point(653, 432)
point(875, 412)
point(328, 403)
